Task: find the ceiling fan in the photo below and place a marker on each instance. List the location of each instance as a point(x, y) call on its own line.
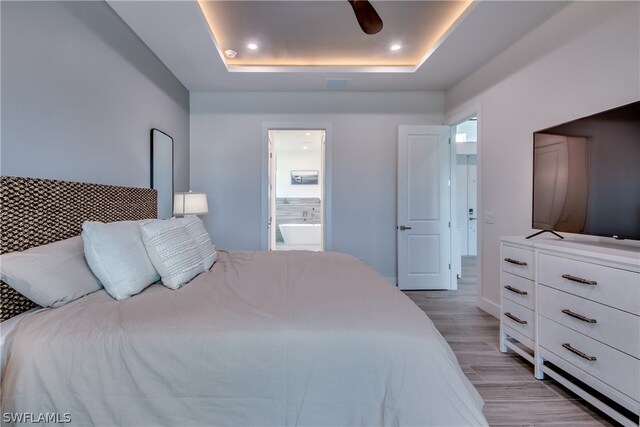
point(367, 16)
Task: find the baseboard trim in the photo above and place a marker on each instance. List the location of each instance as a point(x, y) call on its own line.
point(489, 306)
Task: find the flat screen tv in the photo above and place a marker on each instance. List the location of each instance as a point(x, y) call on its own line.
point(586, 175)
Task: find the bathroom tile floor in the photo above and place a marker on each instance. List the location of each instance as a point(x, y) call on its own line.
point(512, 395)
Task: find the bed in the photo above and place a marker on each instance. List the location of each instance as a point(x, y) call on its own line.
point(263, 338)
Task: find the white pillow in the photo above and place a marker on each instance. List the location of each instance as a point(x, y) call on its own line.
point(50, 275)
point(199, 234)
point(117, 257)
point(172, 251)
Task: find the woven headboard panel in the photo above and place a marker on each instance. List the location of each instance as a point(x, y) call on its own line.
point(35, 212)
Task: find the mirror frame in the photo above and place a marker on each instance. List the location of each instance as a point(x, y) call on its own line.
point(156, 150)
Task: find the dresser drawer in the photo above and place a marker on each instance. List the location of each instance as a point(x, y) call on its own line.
point(612, 367)
point(610, 286)
point(518, 318)
point(518, 261)
point(615, 328)
point(518, 289)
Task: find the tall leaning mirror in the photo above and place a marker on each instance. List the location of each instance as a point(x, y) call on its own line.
point(162, 171)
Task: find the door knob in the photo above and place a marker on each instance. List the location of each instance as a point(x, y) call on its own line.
point(403, 227)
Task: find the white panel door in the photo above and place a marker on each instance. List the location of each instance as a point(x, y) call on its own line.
point(462, 211)
point(472, 205)
point(424, 208)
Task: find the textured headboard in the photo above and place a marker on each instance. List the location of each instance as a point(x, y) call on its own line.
point(35, 212)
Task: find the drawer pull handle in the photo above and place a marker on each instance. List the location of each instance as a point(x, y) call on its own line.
point(516, 290)
point(578, 316)
point(515, 261)
point(579, 353)
point(579, 280)
point(512, 317)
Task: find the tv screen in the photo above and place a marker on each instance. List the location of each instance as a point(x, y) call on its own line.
point(586, 175)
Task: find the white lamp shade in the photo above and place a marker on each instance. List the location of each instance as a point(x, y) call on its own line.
point(190, 203)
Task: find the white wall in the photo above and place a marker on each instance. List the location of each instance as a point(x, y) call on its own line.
point(286, 161)
point(80, 93)
point(467, 131)
point(583, 60)
point(226, 162)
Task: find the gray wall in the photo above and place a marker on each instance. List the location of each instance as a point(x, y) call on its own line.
point(80, 92)
point(226, 159)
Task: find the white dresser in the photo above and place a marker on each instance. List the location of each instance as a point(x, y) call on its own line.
point(517, 297)
point(576, 306)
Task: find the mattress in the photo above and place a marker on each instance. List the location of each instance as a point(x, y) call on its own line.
point(264, 338)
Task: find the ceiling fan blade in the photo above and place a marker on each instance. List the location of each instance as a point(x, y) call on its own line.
point(367, 16)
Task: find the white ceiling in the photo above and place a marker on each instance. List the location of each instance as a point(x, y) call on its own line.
point(179, 35)
point(295, 141)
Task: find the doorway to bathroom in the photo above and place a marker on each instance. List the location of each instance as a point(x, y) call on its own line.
point(296, 189)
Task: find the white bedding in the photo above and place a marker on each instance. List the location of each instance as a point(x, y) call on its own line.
point(264, 338)
point(8, 326)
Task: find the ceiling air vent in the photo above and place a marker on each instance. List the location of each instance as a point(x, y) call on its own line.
point(336, 84)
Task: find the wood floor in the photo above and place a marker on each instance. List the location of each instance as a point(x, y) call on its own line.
point(513, 397)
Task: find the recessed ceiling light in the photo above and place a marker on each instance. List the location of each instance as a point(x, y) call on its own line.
point(396, 47)
point(252, 46)
point(305, 147)
point(308, 133)
point(230, 53)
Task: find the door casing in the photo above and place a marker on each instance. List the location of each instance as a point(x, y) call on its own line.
point(327, 190)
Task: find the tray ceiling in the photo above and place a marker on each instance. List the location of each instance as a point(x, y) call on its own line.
point(180, 34)
point(305, 35)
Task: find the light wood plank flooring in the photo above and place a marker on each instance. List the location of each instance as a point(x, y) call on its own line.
point(513, 397)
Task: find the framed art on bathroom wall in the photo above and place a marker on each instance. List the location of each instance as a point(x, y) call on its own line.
point(300, 177)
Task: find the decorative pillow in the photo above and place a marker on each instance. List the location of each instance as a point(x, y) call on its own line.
point(199, 234)
point(117, 257)
point(50, 275)
point(172, 251)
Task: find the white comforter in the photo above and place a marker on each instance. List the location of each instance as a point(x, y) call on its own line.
point(263, 339)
